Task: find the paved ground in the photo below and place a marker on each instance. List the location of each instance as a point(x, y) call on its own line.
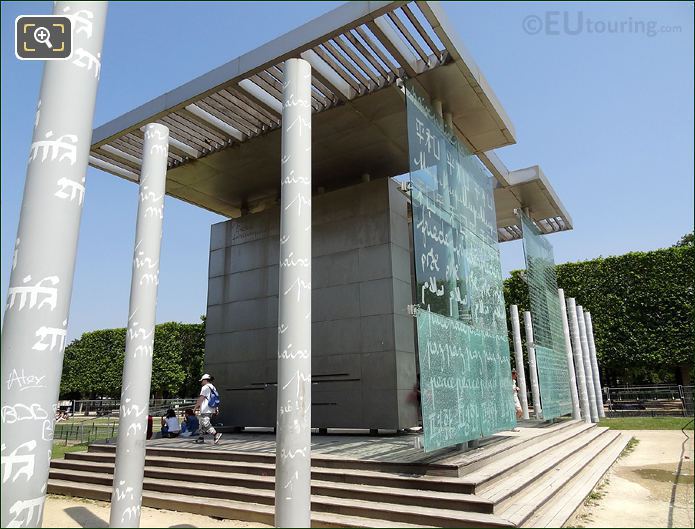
point(650, 487)
point(76, 512)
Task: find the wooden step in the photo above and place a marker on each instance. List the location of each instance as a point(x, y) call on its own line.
point(505, 483)
point(527, 473)
point(399, 513)
point(475, 458)
point(220, 453)
point(442, 463)
point(520, 507)
point(243, 485)
point(572, 495)
point(366, 477)
point(501, 467)
point(229, 509)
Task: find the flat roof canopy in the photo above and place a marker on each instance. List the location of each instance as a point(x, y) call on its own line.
point(224, 125)
point(529, 188)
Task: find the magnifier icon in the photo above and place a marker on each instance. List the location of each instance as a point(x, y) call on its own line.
point(42, 35)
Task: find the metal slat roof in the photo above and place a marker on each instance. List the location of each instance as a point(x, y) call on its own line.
point(224, 125)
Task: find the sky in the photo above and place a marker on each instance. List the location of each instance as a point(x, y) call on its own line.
point(603, 103)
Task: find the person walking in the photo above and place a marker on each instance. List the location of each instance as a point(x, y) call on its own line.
point(208, 405)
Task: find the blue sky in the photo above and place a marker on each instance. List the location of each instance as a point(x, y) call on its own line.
point(608, 116)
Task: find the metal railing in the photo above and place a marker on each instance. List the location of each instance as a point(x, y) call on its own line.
point(82, 432)
point(105, 407)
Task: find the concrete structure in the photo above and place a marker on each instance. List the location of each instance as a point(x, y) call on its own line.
point(225, 156)
point(38, 301)
point(362, 337)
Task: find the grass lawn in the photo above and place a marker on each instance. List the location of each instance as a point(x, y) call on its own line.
point(60, 449)
point(647, 423)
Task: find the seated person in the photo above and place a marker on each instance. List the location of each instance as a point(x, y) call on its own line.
point(190, 423)
point(170, 425)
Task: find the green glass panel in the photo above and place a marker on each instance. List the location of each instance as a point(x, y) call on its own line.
point(548, 335)
point(450, 377)
point(462, 331)
point(554, 380)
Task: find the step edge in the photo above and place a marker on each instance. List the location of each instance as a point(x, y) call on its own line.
point(582, 441)
point(551, 441)
point(606, 444)
point(602, 466)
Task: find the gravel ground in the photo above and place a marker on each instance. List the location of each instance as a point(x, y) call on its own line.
point(61, 511)
point(650, 487)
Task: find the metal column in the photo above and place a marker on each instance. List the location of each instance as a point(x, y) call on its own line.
point(588, 371)
point(519, 360)
point(576, 414)
point(293, 457)
point(578, 360)
point(535, 389)
point(43, 265)
point(594, 364)
point(126, 497)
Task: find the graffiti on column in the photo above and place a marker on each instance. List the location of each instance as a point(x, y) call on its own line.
point(37, 304)
point(294, 327)
point(126, 497)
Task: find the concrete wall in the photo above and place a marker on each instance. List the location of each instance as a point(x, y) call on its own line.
point(363, 343)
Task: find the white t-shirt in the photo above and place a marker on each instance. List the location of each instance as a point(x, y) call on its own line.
point(173, 424)
point(206, 391)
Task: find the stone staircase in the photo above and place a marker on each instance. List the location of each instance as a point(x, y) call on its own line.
point(533, 481)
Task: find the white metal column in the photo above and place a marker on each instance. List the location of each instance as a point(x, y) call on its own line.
point(43, 265)
point(519, 360)
point(531, 350)
point(293, 456)
point(578, 360)
point(576, 414)
point(588, 371)
point(126, 497)
point(594, 364)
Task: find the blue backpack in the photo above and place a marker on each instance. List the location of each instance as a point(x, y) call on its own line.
point(213, 399)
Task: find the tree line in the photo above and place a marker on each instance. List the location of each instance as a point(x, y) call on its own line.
point(641, 305)
point(642, 310)
point(93, 364)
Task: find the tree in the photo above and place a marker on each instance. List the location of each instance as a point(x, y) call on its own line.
point(192, 357)
point(687, 240)
point(93, 364)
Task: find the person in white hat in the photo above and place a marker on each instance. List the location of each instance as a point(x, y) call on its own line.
point(208, 404)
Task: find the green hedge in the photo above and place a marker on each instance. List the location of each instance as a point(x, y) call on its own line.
point(93, 364)
point(641, 306)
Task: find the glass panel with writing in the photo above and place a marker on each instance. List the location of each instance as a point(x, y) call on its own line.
point(462, 333)
point(548, 335)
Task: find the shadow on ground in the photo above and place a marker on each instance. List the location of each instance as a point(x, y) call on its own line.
point(86, 518)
